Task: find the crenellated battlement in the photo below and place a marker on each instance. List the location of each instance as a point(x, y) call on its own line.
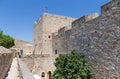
point(84, 19)
point(81, 20)
point(97, 37)
point(110, 7)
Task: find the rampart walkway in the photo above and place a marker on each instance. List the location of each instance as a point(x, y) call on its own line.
point(19, 70)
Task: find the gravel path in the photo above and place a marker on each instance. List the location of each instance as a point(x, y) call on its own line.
point(13, 73)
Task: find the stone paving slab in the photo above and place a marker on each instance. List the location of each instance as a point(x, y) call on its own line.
point(26, 74)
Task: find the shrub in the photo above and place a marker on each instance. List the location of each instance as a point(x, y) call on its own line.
point(72, 66)
point(6, 40)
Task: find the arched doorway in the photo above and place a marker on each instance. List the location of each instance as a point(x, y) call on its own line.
point(43, 74)
point(49, 74)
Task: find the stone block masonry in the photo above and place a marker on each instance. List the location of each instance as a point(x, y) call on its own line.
point(98, 37)
point(24, 48)
point(43, 29)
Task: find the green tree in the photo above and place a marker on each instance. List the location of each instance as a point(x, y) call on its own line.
point(72, 66)
point(6, 40)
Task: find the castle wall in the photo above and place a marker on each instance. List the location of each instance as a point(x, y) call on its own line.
point(43, 65)
point(98, 38)
point(23, 47)
point(62, 41)
point(44, 27)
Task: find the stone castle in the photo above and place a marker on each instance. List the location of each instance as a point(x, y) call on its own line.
point(97, 36)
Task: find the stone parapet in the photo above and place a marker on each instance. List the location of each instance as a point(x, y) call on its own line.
point(85, 18)
point(110, 8)
point(6, 57)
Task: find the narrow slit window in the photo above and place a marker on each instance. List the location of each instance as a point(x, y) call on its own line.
point(56, 51)
point(49, 36)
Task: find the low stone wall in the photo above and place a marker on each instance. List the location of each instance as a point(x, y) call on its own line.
point(6, 57)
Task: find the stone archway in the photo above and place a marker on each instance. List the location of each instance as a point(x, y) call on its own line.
point(49, 74)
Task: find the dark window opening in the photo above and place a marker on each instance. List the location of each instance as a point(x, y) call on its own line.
point(56, 51)
point(43, 74)
point(49, 74)
point(49, 36)
point(19, 54)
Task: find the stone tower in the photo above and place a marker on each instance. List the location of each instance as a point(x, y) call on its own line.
point(44, 27)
